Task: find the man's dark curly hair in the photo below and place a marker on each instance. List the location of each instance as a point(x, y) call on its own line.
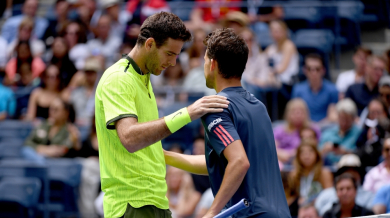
point(229, 50)
point(162, 26)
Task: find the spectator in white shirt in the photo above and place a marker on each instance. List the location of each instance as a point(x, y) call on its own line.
point(105, 44)
point(356, 75)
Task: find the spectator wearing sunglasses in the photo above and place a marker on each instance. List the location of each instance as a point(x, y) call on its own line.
point(379, 175)
point(363, 93)
point(318, 93)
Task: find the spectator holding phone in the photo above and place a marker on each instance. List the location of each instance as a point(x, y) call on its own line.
point(341, 139)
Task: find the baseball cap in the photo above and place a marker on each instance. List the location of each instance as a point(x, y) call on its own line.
point(109, 3)
point(348, 161)
point(92, 64)
point(236, 16)
point(384, 81)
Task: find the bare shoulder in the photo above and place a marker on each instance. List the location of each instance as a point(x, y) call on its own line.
point(289, 45)
point(325, 172)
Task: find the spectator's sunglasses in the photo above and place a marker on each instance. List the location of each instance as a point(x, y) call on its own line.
point(385, 95)
point(387, 150)
point(316, 69)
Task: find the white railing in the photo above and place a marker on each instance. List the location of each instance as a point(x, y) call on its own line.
point(377, 216)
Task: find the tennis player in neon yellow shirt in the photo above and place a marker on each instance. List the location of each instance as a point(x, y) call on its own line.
point(129, 131)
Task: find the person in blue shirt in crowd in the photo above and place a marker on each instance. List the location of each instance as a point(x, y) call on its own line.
point(341, 139)
point(318, 93)
point(382, 200)
point(7, 102)
point(241, 157)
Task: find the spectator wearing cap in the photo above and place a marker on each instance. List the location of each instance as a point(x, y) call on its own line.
point(119, 18)
point(370, 141)
point(356, 75)
point(10, 28)
point(382, 200)
point(346, 189)
point(363, 93)
point(319, 94)
point(351, 164)
point(83, 97)
point(236, 20)
point(340, 139)
point(380, 174)
point(384, 90)
point(104, 44)
point(307, 211)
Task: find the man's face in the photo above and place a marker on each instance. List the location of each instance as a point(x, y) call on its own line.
point(62, 8)
point(163, 57)
point(104, 27)
point(208, 74)
point(309, 212)
point(314, 70)
point(345, 121)
point(346, 192)
point(359, 59)
point(30, 8)
point(375, 70)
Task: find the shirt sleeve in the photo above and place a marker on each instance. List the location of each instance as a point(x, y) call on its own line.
point(294, 93)
point(335, 96)
point(220, 130)
point(118, 98)
point(382, 196)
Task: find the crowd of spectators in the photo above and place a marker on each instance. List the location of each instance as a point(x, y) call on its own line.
point(332, 139)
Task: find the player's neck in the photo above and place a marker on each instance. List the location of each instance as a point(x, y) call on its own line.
point(137, 55)
point(222, 84)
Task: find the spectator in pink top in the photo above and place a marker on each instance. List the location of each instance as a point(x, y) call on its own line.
point(379, 175)
point(287, 136)
point(24, 68)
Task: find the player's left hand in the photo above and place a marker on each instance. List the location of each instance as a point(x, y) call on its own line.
point(210, 214)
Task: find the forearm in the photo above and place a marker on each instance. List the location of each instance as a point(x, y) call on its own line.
point(195, 164)
point(234, 175)
point(141, 135)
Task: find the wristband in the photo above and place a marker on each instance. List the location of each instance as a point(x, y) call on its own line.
point(177, 120)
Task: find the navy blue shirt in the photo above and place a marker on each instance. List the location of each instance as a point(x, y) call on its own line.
point(361, 95)
point(246, 119)
point(319, 102)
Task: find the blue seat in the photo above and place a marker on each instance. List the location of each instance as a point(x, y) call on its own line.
point(22, 168)
point(15, 129)
point(10, 150)
point(182, 9)
point(64, 176)
point(19, 196)
point(298, 16)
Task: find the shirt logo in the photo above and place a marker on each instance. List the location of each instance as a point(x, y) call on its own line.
point(215, 122)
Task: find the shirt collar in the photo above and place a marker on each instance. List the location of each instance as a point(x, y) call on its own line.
point(135, 66)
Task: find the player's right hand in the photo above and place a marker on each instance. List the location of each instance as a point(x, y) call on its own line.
point(207, 104)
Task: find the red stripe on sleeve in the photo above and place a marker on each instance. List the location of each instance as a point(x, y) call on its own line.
point(223, 135)
point(219, 136)
point(226, 132)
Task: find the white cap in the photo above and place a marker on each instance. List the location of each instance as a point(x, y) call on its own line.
point(349, 160)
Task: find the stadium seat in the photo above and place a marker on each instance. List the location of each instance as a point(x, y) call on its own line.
point(19, 196)
point(64, 176)
point(299, 17)
point(18, 130)
point(10, 150)
point(182, 8)
point(27, 169)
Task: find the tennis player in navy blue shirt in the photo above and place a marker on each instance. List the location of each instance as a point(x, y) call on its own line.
point(240, 158)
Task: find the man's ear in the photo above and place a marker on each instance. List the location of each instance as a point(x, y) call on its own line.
point(149, 43)
point(213, 65)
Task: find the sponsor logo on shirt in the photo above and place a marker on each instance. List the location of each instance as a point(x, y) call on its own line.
point(215, 122)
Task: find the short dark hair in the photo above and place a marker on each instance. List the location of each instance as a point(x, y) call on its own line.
point(365, 50)
point(316, 57)
point(162, 26)
point(229, 50)
point(346, 176)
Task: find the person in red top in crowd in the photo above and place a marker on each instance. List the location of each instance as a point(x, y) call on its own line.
point(204, 16)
